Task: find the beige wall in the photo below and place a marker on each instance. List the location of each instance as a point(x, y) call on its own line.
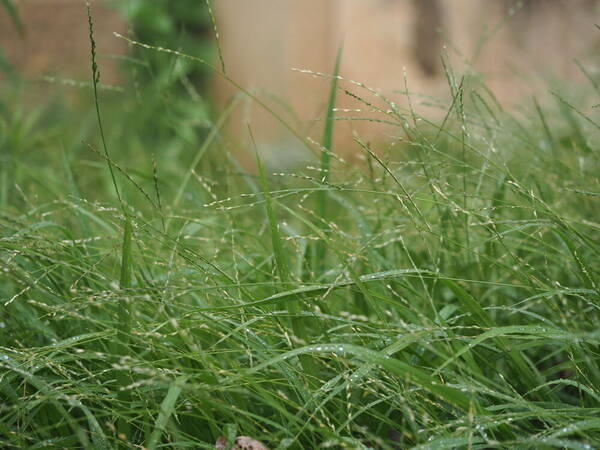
point(263, 40)
point(57, 39)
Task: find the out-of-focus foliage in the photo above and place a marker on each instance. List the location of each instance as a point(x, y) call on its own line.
point(9, 6)
point(183, 25)
point(170, 90)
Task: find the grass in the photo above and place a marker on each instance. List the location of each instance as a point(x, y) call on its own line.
point(454, 302)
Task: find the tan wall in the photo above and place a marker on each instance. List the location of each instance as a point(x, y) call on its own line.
point(57, 39)
point(263, 40)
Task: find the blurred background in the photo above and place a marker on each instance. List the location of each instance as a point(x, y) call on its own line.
point(516, 49)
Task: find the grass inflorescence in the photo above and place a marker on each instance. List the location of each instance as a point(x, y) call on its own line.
point(444, 293)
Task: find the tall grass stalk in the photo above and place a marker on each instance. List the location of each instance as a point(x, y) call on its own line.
point(327, 144)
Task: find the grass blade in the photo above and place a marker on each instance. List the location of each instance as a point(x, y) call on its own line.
point(327, 143)
point(11, 9)
point(124, 322)
point(482, 318)
point(280, 261)
point(95, 83)
point(167, 407)
point(400, 368)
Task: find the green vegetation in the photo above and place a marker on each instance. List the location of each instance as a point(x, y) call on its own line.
point(454, 303)
point(183, 25)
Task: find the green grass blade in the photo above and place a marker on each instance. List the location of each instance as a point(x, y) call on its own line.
point(214, 132)
point(327, 140)
point(11, 9)
point(586, 272)
point(95, 83)
point(482, 318)
point(308, 292)
point(395, 366)
point(280, 260)
point(327, 143)
point(126, 269)
point(449, 443)
point(545, 126)
point(167, 408)
point(124, 321)
point(56, 399)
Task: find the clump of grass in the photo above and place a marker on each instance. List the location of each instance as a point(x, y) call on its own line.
point(133, 325)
